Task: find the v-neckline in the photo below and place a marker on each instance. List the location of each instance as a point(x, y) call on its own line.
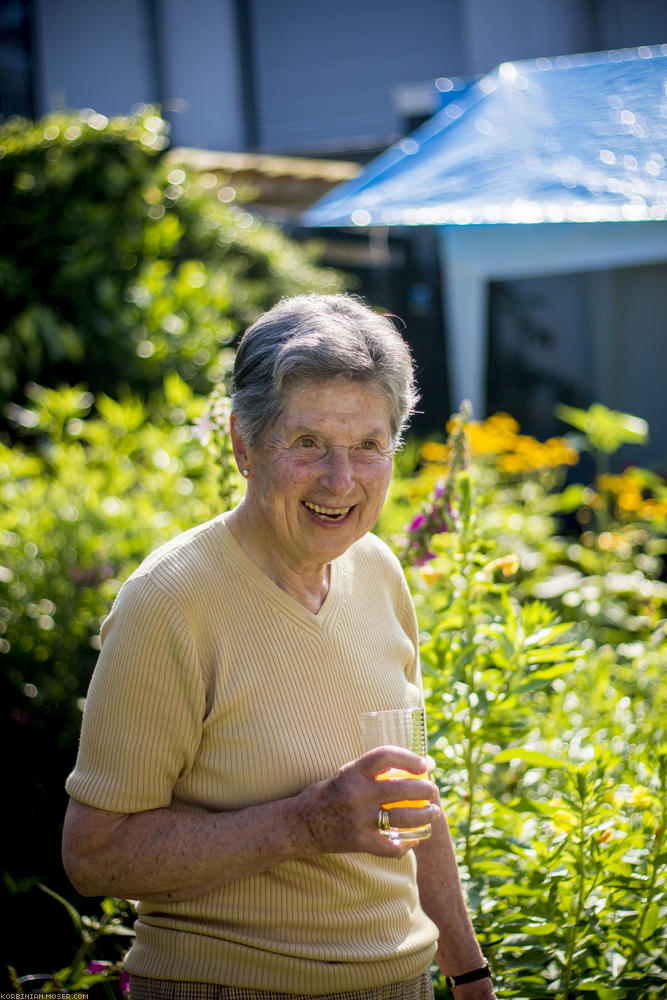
point(320, 620)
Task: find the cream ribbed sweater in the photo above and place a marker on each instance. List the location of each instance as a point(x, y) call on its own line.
point(216, 690)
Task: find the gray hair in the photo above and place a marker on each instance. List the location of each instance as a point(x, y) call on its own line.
point(310, 337)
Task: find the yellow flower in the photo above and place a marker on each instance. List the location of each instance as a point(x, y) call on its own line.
point(560, 452)
point(483, 442)
point(641, 798)
point(563, 821)
point(503, 421)
point(434, 451)
point(653, 510)
point(508, 565)
point(512, 464)
point(429, 574)
point(630, 501)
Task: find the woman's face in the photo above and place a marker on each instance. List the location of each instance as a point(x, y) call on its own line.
point(319, 476)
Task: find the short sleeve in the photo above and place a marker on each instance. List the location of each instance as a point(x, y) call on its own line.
point(142, 721)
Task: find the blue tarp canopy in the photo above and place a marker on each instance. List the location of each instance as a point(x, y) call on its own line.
point(578, 138)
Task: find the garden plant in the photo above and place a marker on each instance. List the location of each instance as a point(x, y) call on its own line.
point(119, 265)
point(544, 657)
point(546, 703)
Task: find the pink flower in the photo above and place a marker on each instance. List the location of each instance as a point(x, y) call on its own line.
point(124, 983)
point(98, 968)
point(423, 558)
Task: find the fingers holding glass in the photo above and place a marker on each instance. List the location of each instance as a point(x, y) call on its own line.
point(404, 728)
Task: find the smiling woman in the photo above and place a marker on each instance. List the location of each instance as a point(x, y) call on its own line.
point(221, 778)
point(317, 481)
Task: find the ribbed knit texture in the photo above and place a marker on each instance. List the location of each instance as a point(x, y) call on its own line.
point(216, 690)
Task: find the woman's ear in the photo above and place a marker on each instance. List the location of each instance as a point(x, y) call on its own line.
point(239, 447)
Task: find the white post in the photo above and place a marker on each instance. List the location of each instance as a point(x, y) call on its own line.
point(465, 296)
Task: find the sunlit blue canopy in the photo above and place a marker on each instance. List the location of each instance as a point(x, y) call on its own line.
point(578, 138)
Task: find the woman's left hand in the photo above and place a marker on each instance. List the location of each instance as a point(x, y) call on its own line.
point(341, 813)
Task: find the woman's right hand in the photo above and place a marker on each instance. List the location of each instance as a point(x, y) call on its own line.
point(341, 813)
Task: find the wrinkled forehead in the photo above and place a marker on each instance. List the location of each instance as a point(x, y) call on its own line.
point(328, 405)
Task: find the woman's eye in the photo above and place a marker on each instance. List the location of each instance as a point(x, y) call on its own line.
point(369, 445)
point(306, 442)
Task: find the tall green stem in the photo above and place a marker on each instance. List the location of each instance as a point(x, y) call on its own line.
point(468, 622)
point(470, 765)
point(87, 944)
point(655, 870)
point(581, 895)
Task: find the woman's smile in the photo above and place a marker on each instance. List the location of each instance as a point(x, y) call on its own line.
point(328, 513)
point(318, 478)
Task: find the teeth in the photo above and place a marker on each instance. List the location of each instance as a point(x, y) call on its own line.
point(328, 511)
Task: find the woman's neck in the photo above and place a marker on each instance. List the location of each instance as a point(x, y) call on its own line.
point(309, 585)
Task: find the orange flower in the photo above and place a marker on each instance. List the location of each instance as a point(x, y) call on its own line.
point(434, 451)
point(508, 565)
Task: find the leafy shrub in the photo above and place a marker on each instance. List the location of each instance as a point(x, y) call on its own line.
point(549, 739)
point(118, 266)
point(124, 279)
point(546, 703)
point(81, 503)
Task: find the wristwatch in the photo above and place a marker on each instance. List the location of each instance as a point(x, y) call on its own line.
point(468, 977)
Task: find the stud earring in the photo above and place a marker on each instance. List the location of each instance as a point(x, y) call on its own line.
point(244, 473)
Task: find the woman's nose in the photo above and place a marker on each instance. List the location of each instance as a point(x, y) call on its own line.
point(338, 474)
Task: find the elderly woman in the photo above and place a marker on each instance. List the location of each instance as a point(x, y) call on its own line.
point(221, 779)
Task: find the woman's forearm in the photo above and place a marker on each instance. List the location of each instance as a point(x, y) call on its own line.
point(165, 856)
point(442, 899)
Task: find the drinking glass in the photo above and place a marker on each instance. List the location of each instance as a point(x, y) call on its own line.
point(400, 727)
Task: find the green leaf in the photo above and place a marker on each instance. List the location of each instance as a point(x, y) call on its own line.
point(606, 429)
point(546, 635)
point(540, 928)
point(651, 921)
point(176, 391)
point(550, 653)
point(75, 916)
point(532, 757)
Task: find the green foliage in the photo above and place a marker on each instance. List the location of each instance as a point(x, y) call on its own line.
point(543, 646)
point(97, 486)
point(605, 429)
point(78, 510)
point(549, 739)
point(124, 281)
point(118, 266)
point(89, 965)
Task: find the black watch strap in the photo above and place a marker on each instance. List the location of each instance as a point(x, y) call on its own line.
point(468, 977)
